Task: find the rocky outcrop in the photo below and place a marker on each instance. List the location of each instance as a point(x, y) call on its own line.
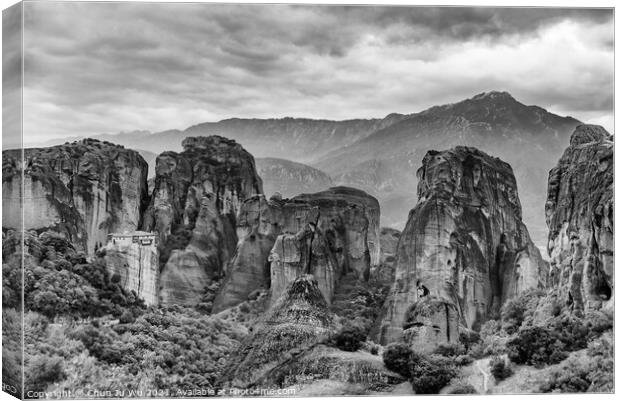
point(579, 211)
point(200, 190)
point(327, 234)
point(349, 207)
point(85, 189)
point(298, 320)
point(258, 225)
point(134, 259)
point(307, 252)
point(463, 252)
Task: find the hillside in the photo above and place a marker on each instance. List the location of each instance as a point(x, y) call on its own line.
point(529, 138)
point(290, 178)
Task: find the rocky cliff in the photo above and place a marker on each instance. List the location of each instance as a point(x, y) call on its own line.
point(327, 234)
point(379, 156)
point(134, 259)
point(197, 195)
point(298, 320)
point(463, 252)
point(85, 189)
point(579, 210)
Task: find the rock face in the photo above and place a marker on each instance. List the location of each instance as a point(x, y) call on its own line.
point(326, 234)
point(389, 242)
point(384, 271)
point(85, 189)
point(355, 204)
point(299, 319)
point(134, 257)
point(463, 252)
point(580, 217)
point(200, 189)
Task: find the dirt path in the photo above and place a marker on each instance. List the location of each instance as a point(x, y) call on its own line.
point(485, 376)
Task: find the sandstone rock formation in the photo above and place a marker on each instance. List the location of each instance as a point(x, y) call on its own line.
point(579, 211)
point(389, 241)
point(357, 203)
point(327, 234)
point(298, 320)
point(258, 224)
point(384, 272)
point(463, 252)
point(134, 257)
point(378, 155)
point(200, 189)
point(307, 252)
point(85, 189)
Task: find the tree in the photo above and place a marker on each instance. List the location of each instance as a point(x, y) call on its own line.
point(536, 346)
point(396, 358)
point(500, 369)
point(350, 339)
point(429, 374)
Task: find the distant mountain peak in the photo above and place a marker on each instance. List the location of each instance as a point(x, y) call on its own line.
point(494, 95)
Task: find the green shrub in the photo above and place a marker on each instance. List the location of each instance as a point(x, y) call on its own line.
point(449, 349)
point(601, 366)
point(578, 374)
point(429, 374)
point(599, 322)
point(358, 303)
point(536, 346)
point(569, 377)
point(462, 388)
point(41, 371)
point(396, 358)
point(572, 331)
point(500, 369)
point(62, 293)
point(350, 339)
point(518, 309)
point(469, 338)
point(463, 360)
point(490, 327)
point(56, 241)
point(126, 317)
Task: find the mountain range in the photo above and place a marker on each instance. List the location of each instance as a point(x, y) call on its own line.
point(381, 156)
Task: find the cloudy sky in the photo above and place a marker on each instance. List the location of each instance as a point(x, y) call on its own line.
point(109, 67)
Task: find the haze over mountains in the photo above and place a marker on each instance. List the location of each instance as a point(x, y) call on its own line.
point(382, 156)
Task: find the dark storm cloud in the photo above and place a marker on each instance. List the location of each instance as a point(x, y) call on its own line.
point(106, 67)
point(11, 77)
point(460, 23)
